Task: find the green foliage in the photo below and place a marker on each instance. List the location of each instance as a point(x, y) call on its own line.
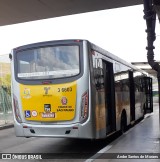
point(5, 83)
point(6, 80)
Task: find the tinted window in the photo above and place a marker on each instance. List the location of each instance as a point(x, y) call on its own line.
point(48, 62)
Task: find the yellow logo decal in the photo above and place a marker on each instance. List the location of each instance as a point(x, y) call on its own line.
point(26, 93)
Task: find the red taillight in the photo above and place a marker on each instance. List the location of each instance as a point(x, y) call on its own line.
point(77, 40)
point(16, 110)
point(84, 106)
point(46, 82)
point(74, 127)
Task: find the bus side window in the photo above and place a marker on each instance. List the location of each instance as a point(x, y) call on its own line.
point(98, 71)
point(138, 84)
point(142, 83)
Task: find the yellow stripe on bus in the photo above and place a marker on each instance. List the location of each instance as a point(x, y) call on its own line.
point(56, 102)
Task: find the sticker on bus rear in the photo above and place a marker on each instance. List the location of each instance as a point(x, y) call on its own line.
point(34, 113)
point(27, 113)
point(48, 115)
point(64, 101)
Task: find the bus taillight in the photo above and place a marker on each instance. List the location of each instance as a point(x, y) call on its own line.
point(77, 40)
point(84, 106)
point(16, 110)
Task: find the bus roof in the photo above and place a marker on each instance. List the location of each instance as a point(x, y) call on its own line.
point(114, 57)
point(95, 47)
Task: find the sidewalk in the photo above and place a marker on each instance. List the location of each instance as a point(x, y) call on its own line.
point(6, 121)
point(6, 125)
point(142, 138)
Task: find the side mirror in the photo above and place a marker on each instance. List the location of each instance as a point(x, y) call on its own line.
point(10, 56)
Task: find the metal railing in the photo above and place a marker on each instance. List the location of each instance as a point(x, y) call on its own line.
point(6, 116)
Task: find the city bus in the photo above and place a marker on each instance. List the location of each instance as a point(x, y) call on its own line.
point(74, 89)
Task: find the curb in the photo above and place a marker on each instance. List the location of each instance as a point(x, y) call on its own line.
point(6, 126)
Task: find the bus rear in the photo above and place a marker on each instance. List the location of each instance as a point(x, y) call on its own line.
point(50, 89)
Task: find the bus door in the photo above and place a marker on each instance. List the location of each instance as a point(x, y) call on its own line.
point(132, 96)
point(109, 97)
point(148, 108)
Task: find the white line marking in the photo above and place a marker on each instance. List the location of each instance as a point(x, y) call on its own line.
point(128, 131)
point(105, 149)
point(142, 121)
point(95, 156)
point(148, 115)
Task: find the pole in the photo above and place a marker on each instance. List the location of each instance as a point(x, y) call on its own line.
point(150, 17)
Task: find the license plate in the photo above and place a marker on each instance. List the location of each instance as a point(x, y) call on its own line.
point(48, 115)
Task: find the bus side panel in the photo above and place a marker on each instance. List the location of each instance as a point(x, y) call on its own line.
point(139, 102)
point(87, 128)
point(98, 95)
point(100, 115)
point(122, 95)
point(15, 93)
point(139, 96)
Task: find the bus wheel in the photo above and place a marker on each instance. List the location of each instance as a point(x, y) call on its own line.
point(123, 123)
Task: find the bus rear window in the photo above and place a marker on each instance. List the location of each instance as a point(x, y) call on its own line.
point(48, 62)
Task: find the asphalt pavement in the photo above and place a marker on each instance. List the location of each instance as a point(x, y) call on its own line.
point(143, 138)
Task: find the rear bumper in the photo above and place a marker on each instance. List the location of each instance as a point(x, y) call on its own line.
point(64, 131)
